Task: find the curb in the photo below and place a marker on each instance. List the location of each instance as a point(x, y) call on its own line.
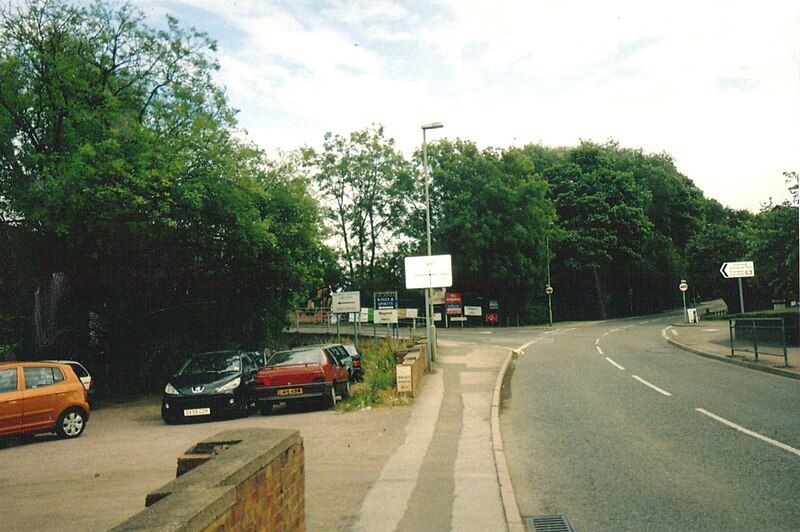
point(743, 363)
point(513, 517)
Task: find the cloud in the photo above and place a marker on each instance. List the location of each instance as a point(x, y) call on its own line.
point(713, 84)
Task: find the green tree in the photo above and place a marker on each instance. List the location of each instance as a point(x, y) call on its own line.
point(356, 177)
point(120, 166)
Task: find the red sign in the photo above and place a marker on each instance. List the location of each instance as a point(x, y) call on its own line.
point(452, 302)
point(492, 317)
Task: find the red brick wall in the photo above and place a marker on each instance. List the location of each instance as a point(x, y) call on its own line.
point(271, 499)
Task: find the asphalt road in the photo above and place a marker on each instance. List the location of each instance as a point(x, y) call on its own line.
point(612, 427)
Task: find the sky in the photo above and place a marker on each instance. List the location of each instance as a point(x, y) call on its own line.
point(715, 84)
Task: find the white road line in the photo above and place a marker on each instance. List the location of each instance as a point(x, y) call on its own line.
point(749, 432)
point(597, 342)
point(664, 332)
point(674, 332)
point(651, 385)
point(612, 331)
point(599, 350)
point(615, 364)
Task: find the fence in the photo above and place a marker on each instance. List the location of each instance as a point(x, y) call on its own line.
point(758, 333)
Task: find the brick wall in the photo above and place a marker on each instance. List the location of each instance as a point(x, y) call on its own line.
point(256, 483)
point(417, 360)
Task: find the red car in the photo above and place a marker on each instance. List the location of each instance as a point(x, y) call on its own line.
point(301, 375)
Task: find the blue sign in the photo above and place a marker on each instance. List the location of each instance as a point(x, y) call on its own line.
point(385, 300)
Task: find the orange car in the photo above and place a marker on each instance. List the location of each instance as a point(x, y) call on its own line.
point(41, 397)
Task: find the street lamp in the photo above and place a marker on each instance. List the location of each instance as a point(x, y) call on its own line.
point(430, 330)
point(549, 289)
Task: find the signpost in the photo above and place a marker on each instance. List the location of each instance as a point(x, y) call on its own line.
point(344, 303)
point(684, 287)
point(737, 270)
point(473, 311)
point(549, 291)
point(429, 271)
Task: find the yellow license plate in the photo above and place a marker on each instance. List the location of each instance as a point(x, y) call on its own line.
point(291, 391)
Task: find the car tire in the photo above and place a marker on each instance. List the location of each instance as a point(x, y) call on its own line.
point(265, 408)
point(71, 423)
point(330, 400)
point(346, 391)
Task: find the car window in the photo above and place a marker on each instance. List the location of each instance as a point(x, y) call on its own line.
point(8, 380)
point(332, 359)
point(219, 362)
point(299, 356)
point(80, 371)
point(249, 365)
point(37, 377)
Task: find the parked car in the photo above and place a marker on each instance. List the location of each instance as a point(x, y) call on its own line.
point(262, 356)
point(309, 373)
point(358, 362)
point(343, 356)
point(42, 397)
point(83, 376)
point(212, 384)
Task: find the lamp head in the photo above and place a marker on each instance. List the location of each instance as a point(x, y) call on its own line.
point(432, 125)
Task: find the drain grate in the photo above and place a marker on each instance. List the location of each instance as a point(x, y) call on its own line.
point(548, 523)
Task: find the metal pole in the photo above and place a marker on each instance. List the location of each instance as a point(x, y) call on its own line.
point(428, 298)
point(550, 307)
point(685, 312)
point(783, 336)
point(741, 296)
point(338, 332)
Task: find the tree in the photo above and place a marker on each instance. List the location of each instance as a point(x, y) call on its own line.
point(120, 167)
point(357, 176)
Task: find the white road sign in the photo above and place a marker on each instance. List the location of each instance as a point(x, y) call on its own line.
point(386, 315)
point(731, 270)
point(433, 271)
point(343, 302)
point(473, 311)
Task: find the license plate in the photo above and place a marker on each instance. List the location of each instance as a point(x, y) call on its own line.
point(197, 412)
point(290, 391)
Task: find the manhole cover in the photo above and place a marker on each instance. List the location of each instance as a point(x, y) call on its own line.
point(548, 523)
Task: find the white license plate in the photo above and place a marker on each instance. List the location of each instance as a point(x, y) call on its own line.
point(197, 412)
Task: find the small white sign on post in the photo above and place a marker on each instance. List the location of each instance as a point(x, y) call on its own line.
point(412, 313)
point(385, 316)
point(344, 302)
point(437, 296)
point(473, 311)
point(429, 271)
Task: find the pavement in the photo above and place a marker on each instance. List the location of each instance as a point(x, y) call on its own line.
point(711, 339)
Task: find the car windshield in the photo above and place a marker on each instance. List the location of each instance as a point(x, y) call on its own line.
point(219, 362)
point(301, 356)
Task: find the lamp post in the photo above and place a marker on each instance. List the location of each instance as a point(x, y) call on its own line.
point(430, 328)
point(549, 289)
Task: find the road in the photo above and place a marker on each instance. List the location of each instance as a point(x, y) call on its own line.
point(610, 426)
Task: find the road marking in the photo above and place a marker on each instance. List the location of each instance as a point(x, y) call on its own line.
point(651, 385)
point(486, 332)
point(615, 364)
point(674, 332)
point(749, 432)
point(599, 350)
point(597, 342)
point(664, 332)
point(612, 331)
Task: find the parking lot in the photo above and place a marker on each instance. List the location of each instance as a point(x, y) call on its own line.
point(101, 478)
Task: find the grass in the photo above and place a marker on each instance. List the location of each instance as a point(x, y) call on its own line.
point(378, 388)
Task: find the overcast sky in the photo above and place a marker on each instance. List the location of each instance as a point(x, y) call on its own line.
point(716, 84)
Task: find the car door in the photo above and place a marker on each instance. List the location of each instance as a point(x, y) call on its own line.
point(44, 389)
point(10, 401)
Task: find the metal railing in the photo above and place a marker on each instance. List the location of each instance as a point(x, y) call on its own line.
point(752, 335)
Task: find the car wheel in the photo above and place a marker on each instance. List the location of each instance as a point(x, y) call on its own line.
point(346, 392)
point(330, 401)
point(71, 423)
point(265, 408)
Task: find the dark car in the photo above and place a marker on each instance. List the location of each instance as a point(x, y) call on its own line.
point(218, 383)
point(343, 356)
point(304, 374)
point(358, 362)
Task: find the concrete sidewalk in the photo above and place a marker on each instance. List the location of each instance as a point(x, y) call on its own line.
point(443, 476)
point(711, 339)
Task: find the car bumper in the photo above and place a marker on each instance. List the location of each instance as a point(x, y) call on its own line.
point(176, 406)
point(286, 394)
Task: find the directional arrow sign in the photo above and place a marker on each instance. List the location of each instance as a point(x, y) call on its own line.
point(732, 270)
